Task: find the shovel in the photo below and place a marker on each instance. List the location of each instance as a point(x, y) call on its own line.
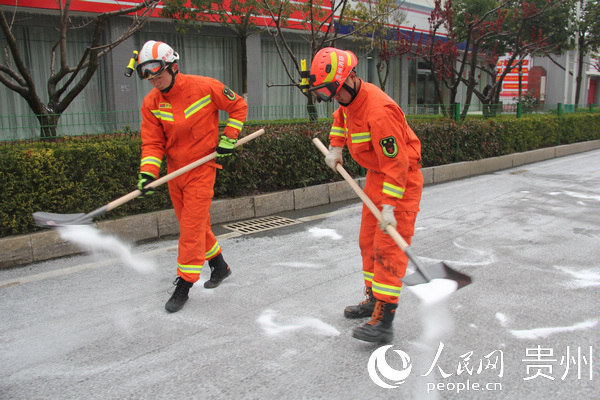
point(422, 275)
point(50, 220)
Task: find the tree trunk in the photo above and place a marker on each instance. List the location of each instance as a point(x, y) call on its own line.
point(452, 100)
point(437, 87)
point(383, 66)
point(244, 51)
point(469, 95)
point(48, 125)
point(579, 78)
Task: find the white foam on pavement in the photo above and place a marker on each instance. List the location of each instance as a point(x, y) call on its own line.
point(298, 264)
point(272, 328)
point(93, 241)
point(577, 195)
point(437, 323)
point(486, 257)
point(321, 233)
point(541, 333)
point(503, 319)
point(582, 278)
point(582, 196)
point(434, 291)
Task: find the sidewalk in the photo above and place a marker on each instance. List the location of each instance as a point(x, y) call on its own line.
point(47, 244)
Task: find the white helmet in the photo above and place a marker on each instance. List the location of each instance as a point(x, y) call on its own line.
point(154, 57)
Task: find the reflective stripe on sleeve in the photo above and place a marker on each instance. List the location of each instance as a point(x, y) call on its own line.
point(151, 160)
point(234, 123)
point(337, 131)
point(392, 190)
point(360, 137)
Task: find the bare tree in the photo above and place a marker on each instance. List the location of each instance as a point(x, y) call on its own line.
point(380, 39)
point(535, 28)
point(476, 38)
point(65, 81)
point(238, 16)
point(321, 28)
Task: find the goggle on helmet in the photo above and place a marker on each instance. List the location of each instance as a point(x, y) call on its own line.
point(154, 58)
point(329, 70)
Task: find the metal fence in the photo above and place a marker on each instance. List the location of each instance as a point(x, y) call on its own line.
point(28, 127)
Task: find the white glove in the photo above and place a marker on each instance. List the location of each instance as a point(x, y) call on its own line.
point(334, 157)
point(387, 217)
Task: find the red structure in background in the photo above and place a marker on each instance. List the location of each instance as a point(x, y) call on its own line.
point(510, 83)
point(99, 6)
point(95, 6)
point(537, 82)
point(592, 91)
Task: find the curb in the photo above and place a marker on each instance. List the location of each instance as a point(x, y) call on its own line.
point(39, 246)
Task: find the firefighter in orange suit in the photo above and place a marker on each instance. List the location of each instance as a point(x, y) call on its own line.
point(180, 119)
point(374, 129)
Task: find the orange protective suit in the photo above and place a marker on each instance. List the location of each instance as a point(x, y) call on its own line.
point(183, 125)
point(378, 137)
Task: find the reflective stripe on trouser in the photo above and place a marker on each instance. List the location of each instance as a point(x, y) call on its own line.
point(384, 263)
point(191, 194)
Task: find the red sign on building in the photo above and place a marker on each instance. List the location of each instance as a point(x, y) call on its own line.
point(510, 84)
point(295, 21)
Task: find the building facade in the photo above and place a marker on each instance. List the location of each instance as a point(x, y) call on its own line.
point(214, 51)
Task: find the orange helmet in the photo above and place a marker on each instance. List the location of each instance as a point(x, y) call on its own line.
point(329, 70)
point(154, 57)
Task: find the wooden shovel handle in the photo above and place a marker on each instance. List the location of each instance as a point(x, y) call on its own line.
point(130, 196)
point(363, 196)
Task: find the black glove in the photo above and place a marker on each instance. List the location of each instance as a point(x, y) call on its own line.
point(145, 179)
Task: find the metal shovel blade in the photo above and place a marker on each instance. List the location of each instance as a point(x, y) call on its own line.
point(437, 271)
point(51, 220)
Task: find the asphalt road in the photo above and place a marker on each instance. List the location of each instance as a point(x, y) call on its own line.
point(92, 327)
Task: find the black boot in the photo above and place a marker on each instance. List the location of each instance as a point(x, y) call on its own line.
point(180, 295)
point(379, 328)
point(364, 309)
point(219, 270)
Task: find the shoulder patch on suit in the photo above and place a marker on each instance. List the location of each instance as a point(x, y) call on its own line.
point(229, 93)
point(389, 146)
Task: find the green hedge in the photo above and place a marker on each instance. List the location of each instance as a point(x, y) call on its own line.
point(81, 175)
point(283, 158)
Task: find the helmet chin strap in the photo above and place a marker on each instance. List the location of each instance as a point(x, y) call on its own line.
point(353, 93)
point(173, 74)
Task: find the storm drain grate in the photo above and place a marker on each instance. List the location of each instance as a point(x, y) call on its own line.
point(260, 224)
